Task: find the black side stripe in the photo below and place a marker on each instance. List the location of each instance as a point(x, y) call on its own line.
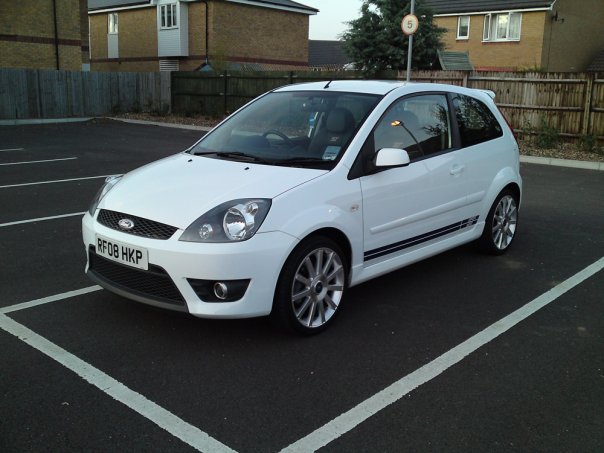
point(397, 246)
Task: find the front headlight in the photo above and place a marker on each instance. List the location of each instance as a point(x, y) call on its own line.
point(236, 220)
point(110, 181)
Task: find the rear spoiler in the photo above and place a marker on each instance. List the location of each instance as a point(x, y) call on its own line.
point(490, 93)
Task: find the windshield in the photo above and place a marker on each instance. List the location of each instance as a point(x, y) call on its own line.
point(309, 129)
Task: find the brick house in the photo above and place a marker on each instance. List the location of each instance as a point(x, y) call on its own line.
point(186, 35)
point(549, 35)
point(44, 34)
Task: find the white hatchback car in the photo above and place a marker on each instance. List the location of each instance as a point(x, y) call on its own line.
point(304, 192)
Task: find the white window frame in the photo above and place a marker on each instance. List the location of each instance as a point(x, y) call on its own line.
point(164, 24)
point(459, 35)
point(489, 33)
point(486, 31)
point(112, 24)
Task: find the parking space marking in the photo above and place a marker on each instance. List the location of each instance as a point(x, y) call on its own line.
point(180, 429)
point(51, 182)
point(40, 219)
point(46, 300)
point(391, 394)
point(11, 149)
point(38, 161)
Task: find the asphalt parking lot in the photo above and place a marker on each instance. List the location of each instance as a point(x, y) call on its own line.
point(461, 352)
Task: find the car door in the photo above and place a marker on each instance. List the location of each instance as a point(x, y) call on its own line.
point(483, 161)
point(410, 207)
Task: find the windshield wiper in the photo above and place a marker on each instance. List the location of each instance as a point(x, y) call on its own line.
point(235, 155)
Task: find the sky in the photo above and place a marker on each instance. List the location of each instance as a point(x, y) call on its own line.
point(330, 21)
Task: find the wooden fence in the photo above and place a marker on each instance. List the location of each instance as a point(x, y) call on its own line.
point(31, 93)
point(571, 103)
point(222, 93)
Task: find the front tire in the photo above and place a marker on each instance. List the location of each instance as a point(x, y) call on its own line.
point(500, 224)
point(310, 287)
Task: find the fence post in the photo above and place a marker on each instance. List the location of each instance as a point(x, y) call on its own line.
point(172, 74)
point(226, 88)
point(291, 77)
point(589, 90)
point(464, 82)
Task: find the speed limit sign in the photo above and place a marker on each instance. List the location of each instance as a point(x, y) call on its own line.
point(410, 24)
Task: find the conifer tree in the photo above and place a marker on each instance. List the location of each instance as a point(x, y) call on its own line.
point(375, 41)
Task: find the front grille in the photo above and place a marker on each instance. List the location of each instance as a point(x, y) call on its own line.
point(142, 227)
point(154, 284)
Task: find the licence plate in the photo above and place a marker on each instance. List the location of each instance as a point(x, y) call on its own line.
point(122, 253)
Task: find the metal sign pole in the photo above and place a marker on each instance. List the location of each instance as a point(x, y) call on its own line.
point(410, 49)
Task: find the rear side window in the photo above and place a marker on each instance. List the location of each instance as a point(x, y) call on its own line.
point(476, 122)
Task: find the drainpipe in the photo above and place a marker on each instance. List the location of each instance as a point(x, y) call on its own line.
point(207, 62)
point(54, 17)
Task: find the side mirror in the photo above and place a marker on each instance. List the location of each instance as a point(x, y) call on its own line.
point(391, 157)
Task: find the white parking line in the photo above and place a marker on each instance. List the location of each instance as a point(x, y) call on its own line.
point(180, 429)
point(371, 406)
point(38, 161)
point(51, 182)
point(40, 219)
point(11, 149)
point(318, 438)
point(46, 300)
point(135, 401)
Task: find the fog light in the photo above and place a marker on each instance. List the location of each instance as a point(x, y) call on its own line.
point(221, 291)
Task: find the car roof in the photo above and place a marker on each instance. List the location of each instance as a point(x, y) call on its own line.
point(383, 87)
point(351, 86)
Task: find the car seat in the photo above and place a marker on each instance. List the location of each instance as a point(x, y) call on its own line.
point(336, 132)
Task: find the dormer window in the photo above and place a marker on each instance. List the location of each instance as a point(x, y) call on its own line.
point(168, 16)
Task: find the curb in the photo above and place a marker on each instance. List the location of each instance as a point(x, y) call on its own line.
point(582, 164)
point(156, 123)
point(43, 121)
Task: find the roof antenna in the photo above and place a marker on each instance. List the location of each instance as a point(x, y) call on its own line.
point(327, 86)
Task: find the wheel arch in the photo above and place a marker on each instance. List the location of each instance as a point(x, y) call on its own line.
point(339, 238)
point(284, 317)
point(506, 179)
point(515, 189)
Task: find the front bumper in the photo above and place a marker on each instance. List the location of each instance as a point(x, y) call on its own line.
point(173, 263)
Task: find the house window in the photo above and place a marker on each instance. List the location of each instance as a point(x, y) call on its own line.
point(502, 27)
point(112, 23)
point(463, 27)
point(168, 16)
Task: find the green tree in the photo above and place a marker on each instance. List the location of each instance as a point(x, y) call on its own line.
point(375, 41)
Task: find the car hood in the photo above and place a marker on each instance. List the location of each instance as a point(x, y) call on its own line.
point(178, 189)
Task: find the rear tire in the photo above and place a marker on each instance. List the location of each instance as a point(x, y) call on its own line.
point(310, 287)
point(500, 224)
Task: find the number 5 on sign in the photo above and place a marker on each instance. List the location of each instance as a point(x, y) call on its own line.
point(410, 24)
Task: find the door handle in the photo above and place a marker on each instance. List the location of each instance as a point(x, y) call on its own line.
point(456, 169)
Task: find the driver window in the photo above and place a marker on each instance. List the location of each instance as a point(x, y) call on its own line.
point(418, 124)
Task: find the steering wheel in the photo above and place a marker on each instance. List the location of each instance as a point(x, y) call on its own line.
point(281, 135)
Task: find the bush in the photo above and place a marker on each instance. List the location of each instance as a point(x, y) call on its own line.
point(546, 136)
point(589, 144)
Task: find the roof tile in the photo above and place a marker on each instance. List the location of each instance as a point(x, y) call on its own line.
point(597, 65)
